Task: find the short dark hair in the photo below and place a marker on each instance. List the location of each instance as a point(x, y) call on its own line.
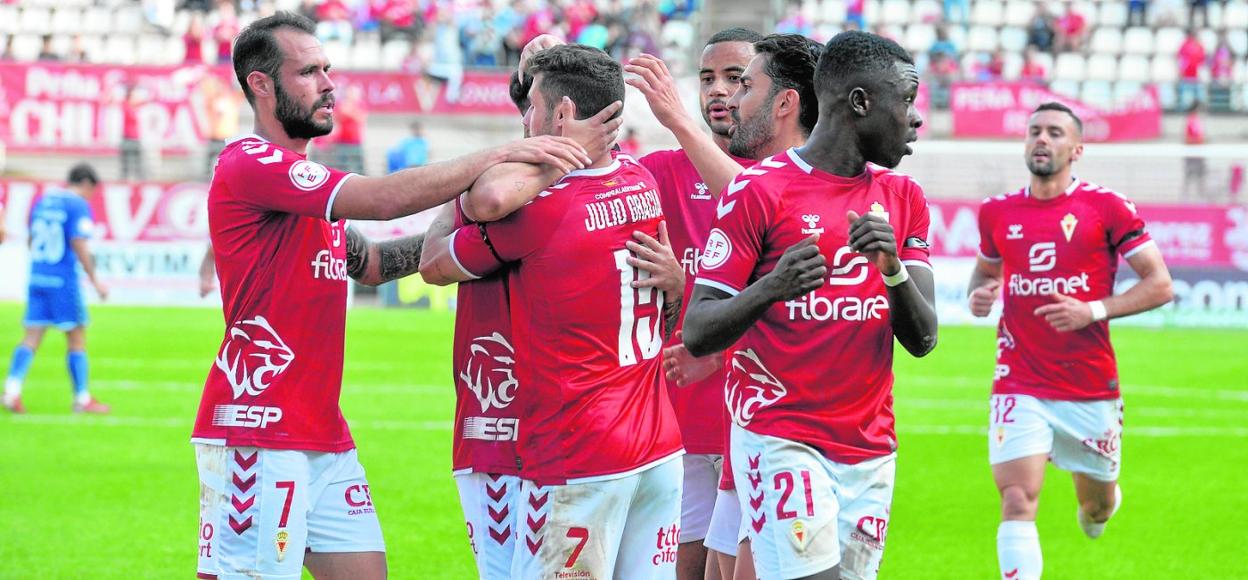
point(1061, 108)
point(83, 173)
point(854, 54)
point(518, 90)
point(256, 47)
point(735, 34)
point(791, 65)
point(584, 74)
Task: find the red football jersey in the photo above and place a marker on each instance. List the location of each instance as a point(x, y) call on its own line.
point(486, 386)
point(283, 271)
point(587, 343)
point(689, 208)
point(818, 369)
point(1070, 245)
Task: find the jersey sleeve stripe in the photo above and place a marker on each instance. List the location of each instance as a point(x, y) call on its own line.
point(717, 285)
point(987, 258)
point(917, 263)
point(460, 265)
point(1136, 250)
point(329, 206)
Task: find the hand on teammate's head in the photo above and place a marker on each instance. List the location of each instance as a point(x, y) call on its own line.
point(597, 133)
point(535, 46)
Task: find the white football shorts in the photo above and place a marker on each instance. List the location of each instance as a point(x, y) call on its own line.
point(1078, 436)
point(490, 511)
point(261, 509)
point(805, 513)
point(697, 500)
point(627, 527)
point(725, 533)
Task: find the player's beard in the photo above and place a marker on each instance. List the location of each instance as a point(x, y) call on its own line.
point(753, 133)
point(1042, 168)
point(298, 123)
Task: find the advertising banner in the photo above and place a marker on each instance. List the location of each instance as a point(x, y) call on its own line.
point(1002, 109)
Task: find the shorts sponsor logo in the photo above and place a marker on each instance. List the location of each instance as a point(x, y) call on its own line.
point(308, 175)
point(718, 249)
point(489, 373)
point(1042, 256)
point(1107, 445)
point(253, 356)
point(491, 428)
point(251, 417)
point(206, 532)
point(668, 539)
point(325, 265)
point(751, 387)
point(872, 530)
point(359, 500)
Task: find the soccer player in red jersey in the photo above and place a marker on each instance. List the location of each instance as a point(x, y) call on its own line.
point(1051, 251)
point(281, 486)
point(598, 444)
point(811, 308)
point(778, 113)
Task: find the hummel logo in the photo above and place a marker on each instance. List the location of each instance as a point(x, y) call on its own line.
point(812, 220)
point(704, 192)
point(1016, 232)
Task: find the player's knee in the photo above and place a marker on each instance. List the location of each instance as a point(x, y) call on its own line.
point(1097, 509)
point(1018, 503)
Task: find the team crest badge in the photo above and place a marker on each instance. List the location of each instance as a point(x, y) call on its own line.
point(282, 540)
point(877, 208)
point(1068, 225)
point(800, 535)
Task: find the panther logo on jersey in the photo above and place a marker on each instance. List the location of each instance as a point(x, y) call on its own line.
point(489, 373)
point(252, 356)
point(751, 387)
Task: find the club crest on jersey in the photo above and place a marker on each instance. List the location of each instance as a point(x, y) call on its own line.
point(308, 175)
point(281, 541)
point(751, 387)
point(703, 192)
point(253, 356)
point(799, 535)
point(812, 223)
point(1015, 233)
point(1068, 225)
point(489, 372)
point(877, 208)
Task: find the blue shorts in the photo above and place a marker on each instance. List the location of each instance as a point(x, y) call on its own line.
point(59, 307)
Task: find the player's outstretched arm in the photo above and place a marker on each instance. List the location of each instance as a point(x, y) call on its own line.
point(373, 263)
point(985, 286)
point(506, 187)
point(716, 319)
point(655, 82)
point(83, 251)
point(911, 294)
point(437, 266)
point(417, 189)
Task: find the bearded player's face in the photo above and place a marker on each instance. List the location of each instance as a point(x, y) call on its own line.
point(303, 90)
point(719, 75)
point(1053, 143)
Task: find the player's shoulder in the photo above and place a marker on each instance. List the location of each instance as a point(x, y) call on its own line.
point(656, 158)
point(1003, 199)
point(895, 182)
point(246, 153)
point(1098, 193)
point(770, 177)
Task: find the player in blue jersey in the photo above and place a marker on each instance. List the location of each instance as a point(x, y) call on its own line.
point(60, 225)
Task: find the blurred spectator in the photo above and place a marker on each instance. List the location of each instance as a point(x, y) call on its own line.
point(8, 49)
point(1194, 165)
point(1191, 58)
point(334, 21)
point(943, 72)
point(226, 29)
point(46, 53)
point(481, 42)
point(507, 24)
point(595, 34)
point(1201, 6)
point(630, 145)
point(77, 51)
point(194, 40)
point(414, 62)
point(1222, 62)
point(578, 14)
point(447, 64)
point(221, 104)
point(643, 30)
point(1137, 13)
point(962, 9)
point(992, 67)
point(1166, 12)
point(397, 18)
point(350, 117)
point(853, 13)
point(943, 44)
point(412, 151)
point(1072, 28)
point(794, 22)
point(131, 137)
point(677, 9)
point(1032, 70)
point(1040, 28)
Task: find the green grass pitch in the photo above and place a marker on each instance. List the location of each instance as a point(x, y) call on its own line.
point(116, 496)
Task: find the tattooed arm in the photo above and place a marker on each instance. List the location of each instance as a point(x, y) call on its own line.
point(373, 263)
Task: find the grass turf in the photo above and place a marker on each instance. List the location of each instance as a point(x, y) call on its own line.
point(115, 497)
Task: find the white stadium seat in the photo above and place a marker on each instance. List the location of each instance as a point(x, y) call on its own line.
point(366, 55)
point(1102, 67)
point(128, 19)
point(1134, 67)
point(119, 49)
point(1013, 66)
point(987, 13)
point(35, 20)
point(26, 46)
point(393, 53)
point(1106, 40)
point(957, 35)
point(1113, 14)
point(1088, 9)
point(895, 12)
point(1124, 90)
point(175, 50)
point(1238, 42)
point(1236, 16)
point(1019, 12)
point(1165, 69)
point(1209, 38)
point(1013, 39)
point(871, 12)
point(8, 19)
point(1168, 41)
point(1065, 88)
point(1097, 93)
point(96, 20)
point(678, 32)
point(151, 50)
point(970, 64)
point(919, 38)
point(927, 11)
point(93, 47)
point(1138, 40)
point(832, 11)
point(1070, 67)
point(338, 53)
point(981, 39)
point(66, 20)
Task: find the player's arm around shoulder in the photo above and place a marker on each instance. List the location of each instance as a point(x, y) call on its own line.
point(374, 263)
point(437, 265)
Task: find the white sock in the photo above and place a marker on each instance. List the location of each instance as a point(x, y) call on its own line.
point(1018, 550)
point(83, 398)
point(12, 389)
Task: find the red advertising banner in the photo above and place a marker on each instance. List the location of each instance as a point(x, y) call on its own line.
point(481, 93)
point(1002, 110)
point(1193, 236)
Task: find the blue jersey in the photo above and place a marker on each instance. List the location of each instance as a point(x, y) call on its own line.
point(58, 218)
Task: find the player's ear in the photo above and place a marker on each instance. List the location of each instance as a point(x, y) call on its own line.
point(261, 84)
point(790, 102)
point(859, 101)
point(1076, 153)
point(565, 112)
